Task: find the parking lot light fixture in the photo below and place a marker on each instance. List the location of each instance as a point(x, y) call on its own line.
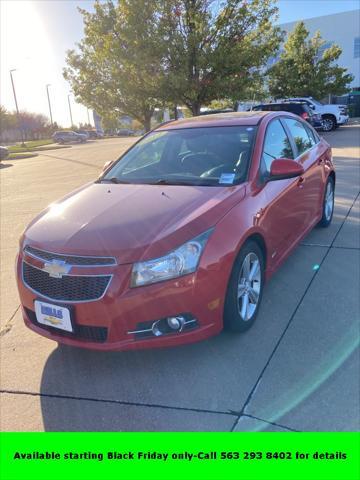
point(48, 96)
point(17, 107)
point(71, 118)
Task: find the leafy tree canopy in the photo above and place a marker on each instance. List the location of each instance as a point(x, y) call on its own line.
point(216, 50)
point(116, 68)
point(303, 71)
point(137, 55)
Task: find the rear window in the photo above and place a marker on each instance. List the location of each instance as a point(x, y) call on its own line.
point(312, 135)
point(293, 108)
point(300, 135)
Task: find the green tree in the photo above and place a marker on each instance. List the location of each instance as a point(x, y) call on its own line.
point(138, 55)
point(216, 51)
point(7, 119)
point(116, 68)
point(302, 70)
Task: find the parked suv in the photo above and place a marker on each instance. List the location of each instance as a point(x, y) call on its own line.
point(93, 134)
point(83, 132)
point(299, 108)
point(125, 132)
point(332, 115)
point(69, 137)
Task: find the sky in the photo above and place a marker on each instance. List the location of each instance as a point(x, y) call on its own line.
point(35, 35)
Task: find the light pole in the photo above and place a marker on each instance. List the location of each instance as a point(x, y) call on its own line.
point(88, 116)
point(48, 96)
point(71, 118)
point(17, 108)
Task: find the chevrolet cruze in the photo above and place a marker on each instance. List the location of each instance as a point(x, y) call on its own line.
point(176, 239)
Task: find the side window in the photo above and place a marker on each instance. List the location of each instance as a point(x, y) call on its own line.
point(300, 135)
point(317, 137)
point(311, 134)
point(276, 145)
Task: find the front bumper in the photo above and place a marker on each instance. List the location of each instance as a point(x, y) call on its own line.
point(343, 119)
point(122, 309)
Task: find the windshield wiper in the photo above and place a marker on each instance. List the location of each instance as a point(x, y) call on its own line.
point(163, 181)
point(113, 180)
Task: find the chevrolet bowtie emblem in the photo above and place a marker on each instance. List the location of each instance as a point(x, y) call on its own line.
point(56, 268)
point(53, 320)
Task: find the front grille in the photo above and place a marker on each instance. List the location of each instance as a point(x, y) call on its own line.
point(82, 332)
point(69, 288)
point(71, 259)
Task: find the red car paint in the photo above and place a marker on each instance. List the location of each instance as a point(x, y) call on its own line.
point(141, 222)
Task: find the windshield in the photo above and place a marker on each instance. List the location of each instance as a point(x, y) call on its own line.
point(197, 156)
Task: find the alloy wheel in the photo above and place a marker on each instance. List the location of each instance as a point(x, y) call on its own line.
point(329, 201)
point(249, 286)
point(327, 124)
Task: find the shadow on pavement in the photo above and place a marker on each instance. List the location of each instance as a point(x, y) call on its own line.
point(345, 137)
point(83, 390)
point(71, 160)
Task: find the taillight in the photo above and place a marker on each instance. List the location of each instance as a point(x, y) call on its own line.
point(305, 115)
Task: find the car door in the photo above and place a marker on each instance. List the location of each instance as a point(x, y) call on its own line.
point(282, 218)
point(309, 156)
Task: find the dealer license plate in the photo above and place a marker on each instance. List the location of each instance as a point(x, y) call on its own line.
point(53, 316)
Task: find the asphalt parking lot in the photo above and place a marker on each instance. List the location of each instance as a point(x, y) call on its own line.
point(297, 369)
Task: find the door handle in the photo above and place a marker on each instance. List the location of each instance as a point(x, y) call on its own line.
point(301, 182)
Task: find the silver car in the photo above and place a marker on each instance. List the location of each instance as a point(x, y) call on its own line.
point(69, 137)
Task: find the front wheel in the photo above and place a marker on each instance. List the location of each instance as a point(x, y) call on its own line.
point(245, 289)
point(328, 123)
point(328, 203)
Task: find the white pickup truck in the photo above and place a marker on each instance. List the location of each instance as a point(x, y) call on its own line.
point(332, 115)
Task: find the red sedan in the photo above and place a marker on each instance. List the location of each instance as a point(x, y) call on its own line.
point(175, 240)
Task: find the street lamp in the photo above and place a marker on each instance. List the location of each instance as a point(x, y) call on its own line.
point(88, 116)
point(71, 118)
point(48, 96)
point(17, 108)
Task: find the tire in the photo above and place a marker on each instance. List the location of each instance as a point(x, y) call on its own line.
point(328, 123)
point(328, 203)
point(238, 318)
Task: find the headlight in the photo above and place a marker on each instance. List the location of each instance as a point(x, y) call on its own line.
point(177, 263)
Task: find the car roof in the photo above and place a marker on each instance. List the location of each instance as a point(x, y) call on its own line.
point(285, 103)
point(216, 120)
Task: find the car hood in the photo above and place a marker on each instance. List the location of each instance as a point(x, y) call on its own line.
point(333, 108)
point(130, 222)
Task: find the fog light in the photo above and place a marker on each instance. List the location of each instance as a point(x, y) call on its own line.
point(176, 323)
point(156, 329)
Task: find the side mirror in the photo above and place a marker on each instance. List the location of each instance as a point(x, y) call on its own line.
point(282, 168)
point(312, 106)
point(107, 165)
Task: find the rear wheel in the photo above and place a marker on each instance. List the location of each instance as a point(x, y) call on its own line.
point(245, 289)
point(328, 203)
